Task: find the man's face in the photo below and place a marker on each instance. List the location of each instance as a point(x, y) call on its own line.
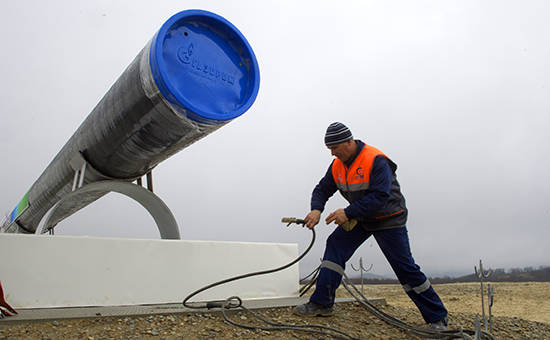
point(343, 151)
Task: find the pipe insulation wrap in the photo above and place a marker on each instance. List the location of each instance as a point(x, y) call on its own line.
point(195, 75)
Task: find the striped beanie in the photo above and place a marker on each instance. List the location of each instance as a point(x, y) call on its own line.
point(337, 133)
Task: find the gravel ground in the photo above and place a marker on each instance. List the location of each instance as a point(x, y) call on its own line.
point(349, 317)
point(528, 300)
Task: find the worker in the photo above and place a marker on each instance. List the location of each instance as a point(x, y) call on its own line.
point(366, 178)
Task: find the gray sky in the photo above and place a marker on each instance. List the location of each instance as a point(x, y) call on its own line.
point(457, 93)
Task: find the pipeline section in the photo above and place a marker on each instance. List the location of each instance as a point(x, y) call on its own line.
point(195, 75)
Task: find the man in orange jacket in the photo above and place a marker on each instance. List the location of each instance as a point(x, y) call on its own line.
point(367, 179)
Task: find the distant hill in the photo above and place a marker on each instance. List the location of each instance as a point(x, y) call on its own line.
point(527, 274)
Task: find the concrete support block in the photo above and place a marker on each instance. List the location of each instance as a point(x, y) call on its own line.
point(75, 271)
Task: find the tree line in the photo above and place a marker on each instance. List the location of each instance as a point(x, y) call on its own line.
point(526, 274)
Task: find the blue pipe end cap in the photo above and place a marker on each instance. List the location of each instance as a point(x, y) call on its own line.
point(204, 67)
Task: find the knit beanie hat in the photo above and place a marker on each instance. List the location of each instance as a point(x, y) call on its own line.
point(337, 133)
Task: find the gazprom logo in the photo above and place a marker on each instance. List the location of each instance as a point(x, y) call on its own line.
point(184, 54)
point(187, 55)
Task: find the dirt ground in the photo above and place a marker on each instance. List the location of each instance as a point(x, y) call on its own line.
point(521, 311)
point(526, 300)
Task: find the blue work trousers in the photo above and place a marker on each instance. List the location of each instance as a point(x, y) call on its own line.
point(394, 244)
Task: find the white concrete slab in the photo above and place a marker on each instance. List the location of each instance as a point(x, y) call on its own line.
point(74, 271)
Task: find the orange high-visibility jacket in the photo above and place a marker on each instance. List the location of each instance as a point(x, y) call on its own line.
point(353, 184)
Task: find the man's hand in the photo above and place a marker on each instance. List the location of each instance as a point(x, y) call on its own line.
point(339, 217)
point(312, 218)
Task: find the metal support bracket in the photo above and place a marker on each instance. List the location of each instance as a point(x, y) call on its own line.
point(160, 212)
point(149, 177)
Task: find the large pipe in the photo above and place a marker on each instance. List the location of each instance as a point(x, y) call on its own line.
point(195, 75)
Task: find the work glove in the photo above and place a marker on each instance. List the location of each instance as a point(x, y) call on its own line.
point(349, 224)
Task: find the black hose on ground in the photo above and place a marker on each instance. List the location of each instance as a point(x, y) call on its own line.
point(219, 304)
point(236, 302)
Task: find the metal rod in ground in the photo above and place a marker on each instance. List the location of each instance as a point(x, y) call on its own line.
point(361, 268)
point(490, 297)
point(477, 325)
point(482, 275)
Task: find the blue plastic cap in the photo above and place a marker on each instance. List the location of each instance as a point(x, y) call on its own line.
point(204, 67)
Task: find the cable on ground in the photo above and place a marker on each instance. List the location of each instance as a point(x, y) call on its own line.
point(235, 302)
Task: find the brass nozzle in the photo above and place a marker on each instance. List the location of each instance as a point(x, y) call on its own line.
point(290, 220)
